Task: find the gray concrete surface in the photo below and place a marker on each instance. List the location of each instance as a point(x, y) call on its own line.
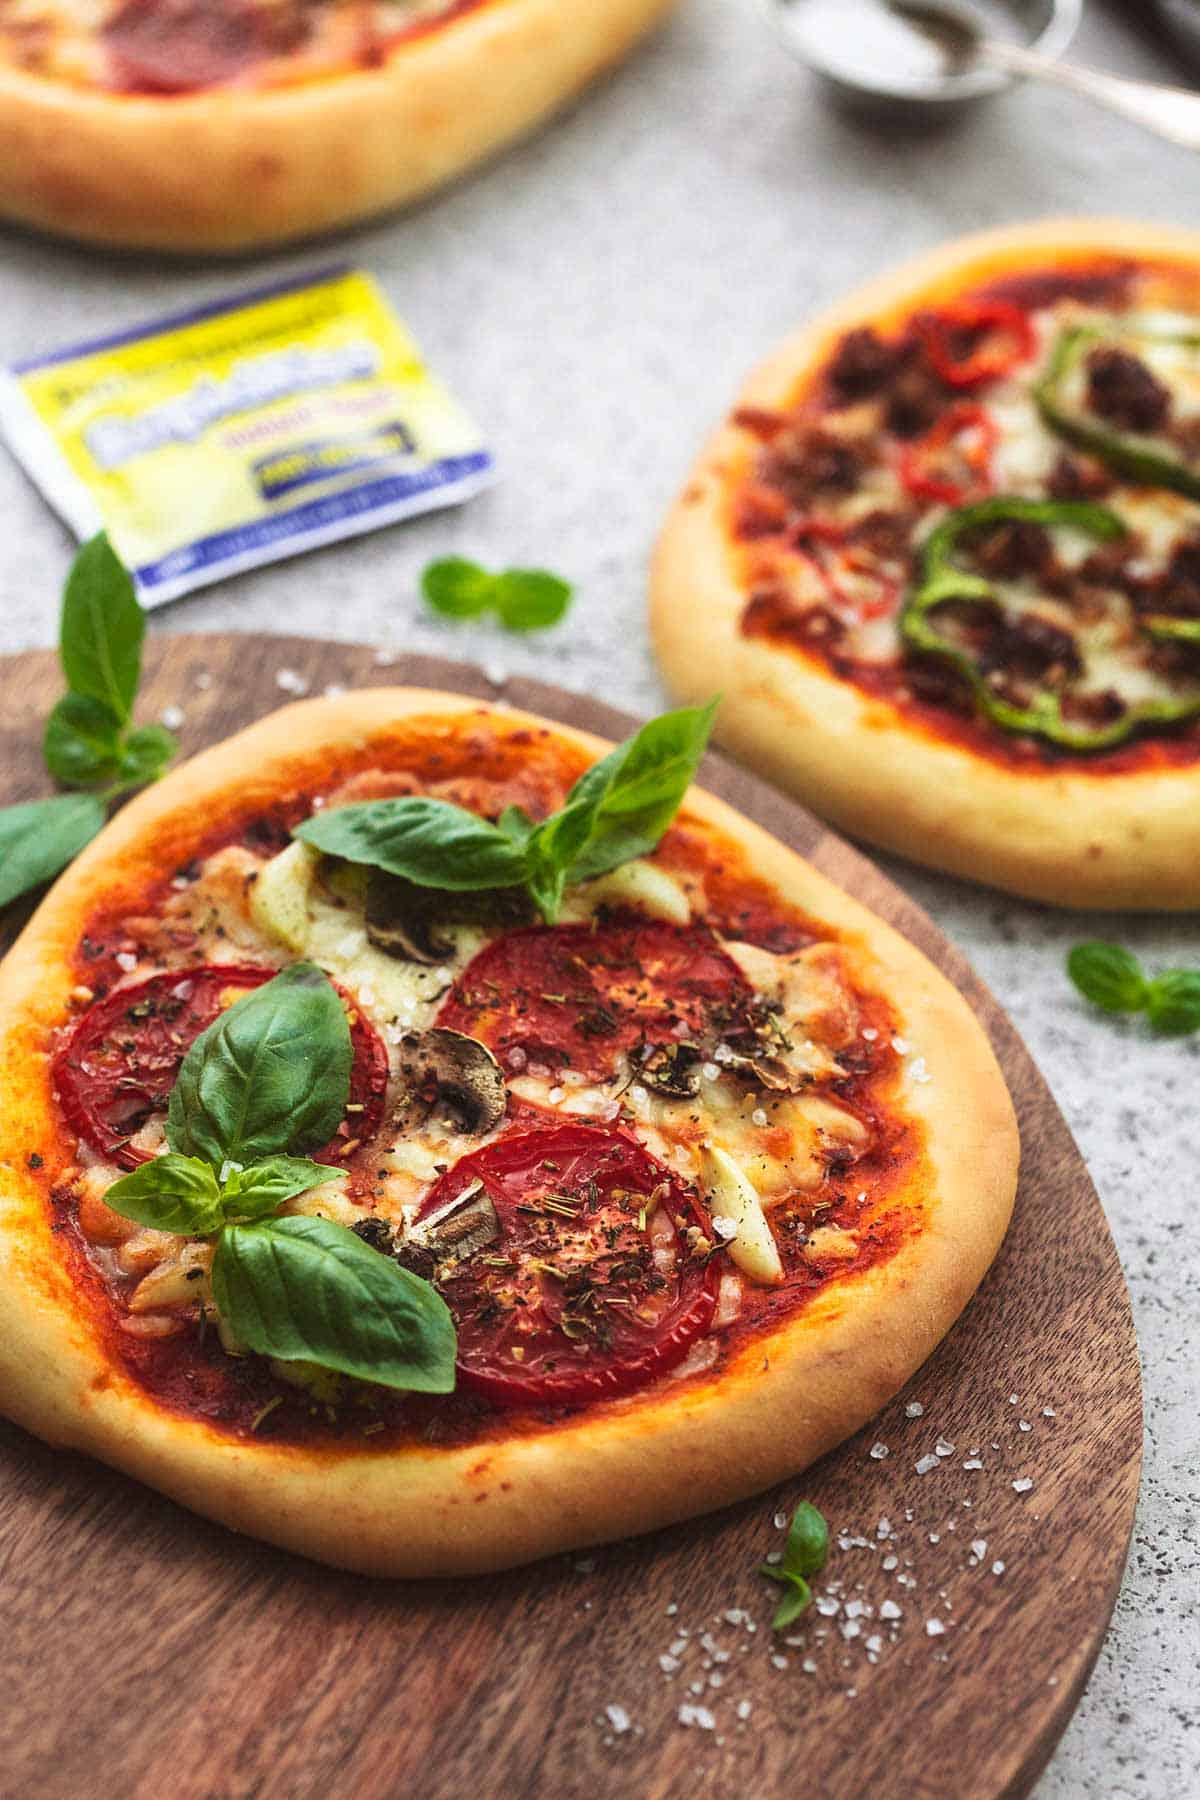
point(595, 297)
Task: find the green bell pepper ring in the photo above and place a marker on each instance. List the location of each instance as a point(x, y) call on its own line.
point(1153, 462)
point(941, 579)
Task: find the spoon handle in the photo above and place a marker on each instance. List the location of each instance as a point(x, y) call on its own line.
point(1172, 113)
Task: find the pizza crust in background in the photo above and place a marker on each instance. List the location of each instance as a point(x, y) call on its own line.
point(230, 169)
point(620, 1468)
point(1069, 836)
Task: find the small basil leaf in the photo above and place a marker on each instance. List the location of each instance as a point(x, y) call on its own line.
point(306, 1290)
point(81, 745)
point(530, 599)
point(39, 838)
point(807, 1542)
point(516, 824)
point(430, 842)
point(1173, 1002)
point(252, 1193)
point(100, 642)
point(270, 1075)
point(457, 588)
point(1109, 976)
point(172, 1193)
point(794, 1602)
point(623, 804)
point(145, 753)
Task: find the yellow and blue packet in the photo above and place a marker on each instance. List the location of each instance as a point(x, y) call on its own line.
point(242, 431)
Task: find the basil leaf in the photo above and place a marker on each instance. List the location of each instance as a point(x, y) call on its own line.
point(516, 824)
point(39, 838)
point(807, 1544)
point(252, 1193)
point(456, 588)
point(430, 842)
point(1109, 976)
point(797, 1599)
point(306, 1290)
point(100, 641)
point(172, 1193)
point(530, 599)
point(622, 806)
point(271, 1074)
point(81, 745)
point(1173, 1002)
point(145, 754)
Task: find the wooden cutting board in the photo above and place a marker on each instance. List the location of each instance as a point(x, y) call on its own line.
point(155, 1653)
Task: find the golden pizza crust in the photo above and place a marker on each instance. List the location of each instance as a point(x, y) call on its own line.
point(1069, 836)
point(627, 1467)
point(230, 169)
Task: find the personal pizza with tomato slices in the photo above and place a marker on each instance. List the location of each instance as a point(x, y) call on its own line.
point(433, 1139)
point(224, 124)
point(944, 560)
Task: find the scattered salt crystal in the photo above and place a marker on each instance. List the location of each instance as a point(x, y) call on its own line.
point(869, 1033)
point(775, 1556)
point(126, 960)
point(1012, 1400)
point(918, 1070)
point(496, 673)
point(778, 1661)
point(696, 1715)
point(890, 1562)
point(759, 1117)
point(972, 1462)
point(723, 1054)
point(554, 1096)
point(943, 1448)
point(935, 1537)
point(1048, 1412)
point(618, 1718)
point(913, 1410)
point(884, 1528)
point(716, 1679)
point(678, 1647)
point(1022, 1484)
point(672, 1609)
point(979, 1548)
point(809, 1666)
point(926, 1465)
point(290, 681)
point(780, 1521)
point(710, 1071)
point(744, 1709)
point(385, 657)
point(877, 1452)
point(734, 1614)
point(724, 1227)
point(1024, 1425)
point(668, 1664)
point(517, 1059)
point(889, 1610)
point(850, 1628)
point(934, 1627)
point(695, 1687)
point(874, 1644)
point(997, 1568)
point(856, 1609)
point(827, 1605)
point(900, 1046)
point(172, 717)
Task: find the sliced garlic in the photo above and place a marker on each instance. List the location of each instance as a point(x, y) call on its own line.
point(732, 1196)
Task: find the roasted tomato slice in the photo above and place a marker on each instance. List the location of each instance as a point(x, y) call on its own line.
point(119, 1064)
point(576, 995)
point(596, 1277)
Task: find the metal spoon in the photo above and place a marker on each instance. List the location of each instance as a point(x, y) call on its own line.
point(1170, 112)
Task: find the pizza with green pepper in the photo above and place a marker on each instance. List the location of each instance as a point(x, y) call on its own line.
point(433, 1139)
point(944, 560)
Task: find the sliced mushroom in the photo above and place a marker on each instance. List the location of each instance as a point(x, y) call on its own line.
point(448, 1071)
point(672, 1070)
point(468, 1224)
point(404, 920)
point(769, 1072)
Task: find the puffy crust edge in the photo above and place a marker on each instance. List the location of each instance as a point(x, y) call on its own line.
point(785, 1400)
point(1073, 838)
point(233, 169)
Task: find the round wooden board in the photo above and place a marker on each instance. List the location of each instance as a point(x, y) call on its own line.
point(181, 1659)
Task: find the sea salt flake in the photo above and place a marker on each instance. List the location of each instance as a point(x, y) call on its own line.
point(778, 1661)
point(780, 1522)
point(678, 1647)
point(1048, 1412)
point(935, 1537)
point(889, 1610)
point(926, 1465)
point(775, 1556)
point(1022, 1484)
point(918, 1070)
point(900, 1046)
point(828, 1606)
point(744, 1709)
point(724, 1227)
point(857, 1609)
point(809, 1666)
point(290, 681)
point(850, 1628)
point(944, 1448)
point(914, 1410)
point(759, 1117)
point(697, 1715)
point(172, 717)
point(997, 1568)
point(890, 1562)
point(877, 1452)
point(874, 1644)
point(669, 1664)
point(869, 1033)
point(935, 1627)
point(126, 961)
point(979, 1548)
point(618, 1718)
point(884, 1528)
point(972, 1462)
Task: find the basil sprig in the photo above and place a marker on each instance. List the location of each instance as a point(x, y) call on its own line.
point(90, 741)
point(269, 1078)
point(617, 810)
point(1113, 979)
point(804, 1554)
point(525, 599)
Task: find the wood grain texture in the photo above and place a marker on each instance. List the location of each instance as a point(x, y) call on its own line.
point(163, 1655)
